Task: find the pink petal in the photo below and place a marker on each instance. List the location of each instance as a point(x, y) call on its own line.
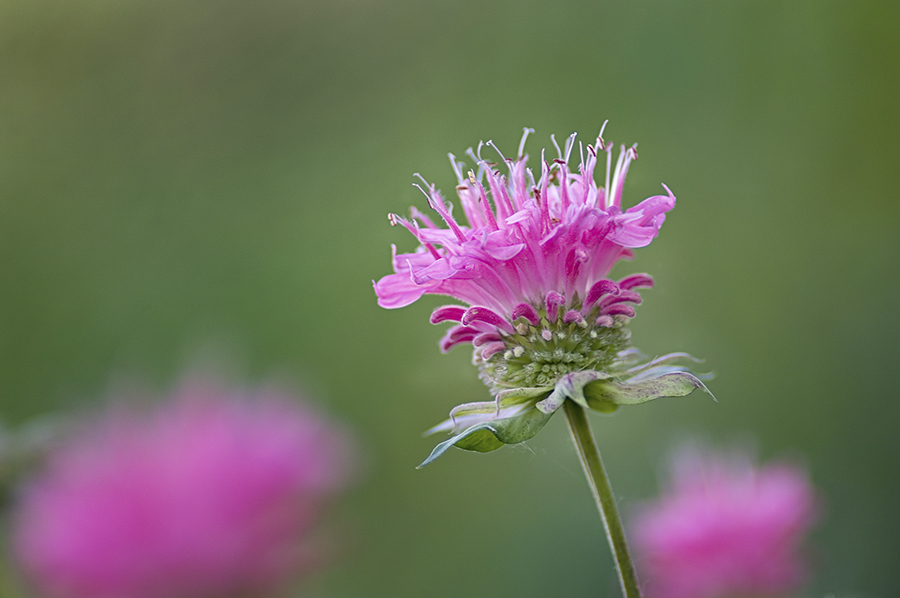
point(492, 349)
point(600, 288)
point(553, 301)
point(527, 311)
point(605, 321)
point(622, 297)
point(397, 290)
point(636, 280)
point(619, 310)
point(572, 316)
point(448, 312)
point(483, 314)
point(486, 337)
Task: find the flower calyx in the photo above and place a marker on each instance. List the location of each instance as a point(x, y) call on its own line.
point(518, 414)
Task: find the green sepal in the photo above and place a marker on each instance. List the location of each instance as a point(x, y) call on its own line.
point(519, 395)
point(508, 403)
point(517, 414)
point(491, 435)
point(570, 386)
point(600, 405)
point(671, 384)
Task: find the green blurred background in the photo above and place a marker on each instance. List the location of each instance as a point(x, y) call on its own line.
point(186, 181)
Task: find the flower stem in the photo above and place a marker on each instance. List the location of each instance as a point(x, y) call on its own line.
point(599, 483)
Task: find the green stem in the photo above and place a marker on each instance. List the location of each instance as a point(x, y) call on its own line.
point(593, 469)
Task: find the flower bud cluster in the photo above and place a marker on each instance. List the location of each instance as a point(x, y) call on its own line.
point(540, 355)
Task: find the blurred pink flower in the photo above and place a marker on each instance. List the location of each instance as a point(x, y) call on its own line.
point(725, 527)
point(209, 495)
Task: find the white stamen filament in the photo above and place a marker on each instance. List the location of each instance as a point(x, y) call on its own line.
point(457, 168)
point(615, 182)
point(608, 150)
point(522, 143)
point(491, 143)
point(570, 143)
point(556, 145)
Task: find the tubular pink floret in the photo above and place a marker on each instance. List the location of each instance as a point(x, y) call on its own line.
point(553, 301)
point(462, 331)
point(413, 228)
point(608, 151)
point(416, 214)
point(563, 186)
point(447, 312)
point(492, 349)
point(488, 316)
point(495, 185)
point(605, 320)
point(469, 206)
point(622, 297)
point(457, 335)
point(485, 204)
point(636, 280)
point(598, 290)
point(572, 316)
point(587, 173)
point(573, 264)
point(486, 337)
point(507, 200)
point(618, 310)
point(544, 198)
point(525, 310)
point(625, 158)
point(436, 203)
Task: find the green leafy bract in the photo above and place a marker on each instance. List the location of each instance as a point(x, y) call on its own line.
point(516, 415)
point(635, 392)
point(489, 436)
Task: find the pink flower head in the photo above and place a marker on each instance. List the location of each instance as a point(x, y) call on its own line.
point(549, 243)
point(530, 265)
point(725, 528)
point(209, 495)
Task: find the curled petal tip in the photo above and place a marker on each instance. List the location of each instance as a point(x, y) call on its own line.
point(488, 316)
point(447, 312)
point(525, 310)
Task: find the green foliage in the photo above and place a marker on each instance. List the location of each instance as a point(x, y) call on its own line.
point(518, 414)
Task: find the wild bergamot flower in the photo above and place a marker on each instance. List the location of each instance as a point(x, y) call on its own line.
point(532, 267)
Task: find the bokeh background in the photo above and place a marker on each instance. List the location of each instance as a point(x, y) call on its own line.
point(207, 181)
